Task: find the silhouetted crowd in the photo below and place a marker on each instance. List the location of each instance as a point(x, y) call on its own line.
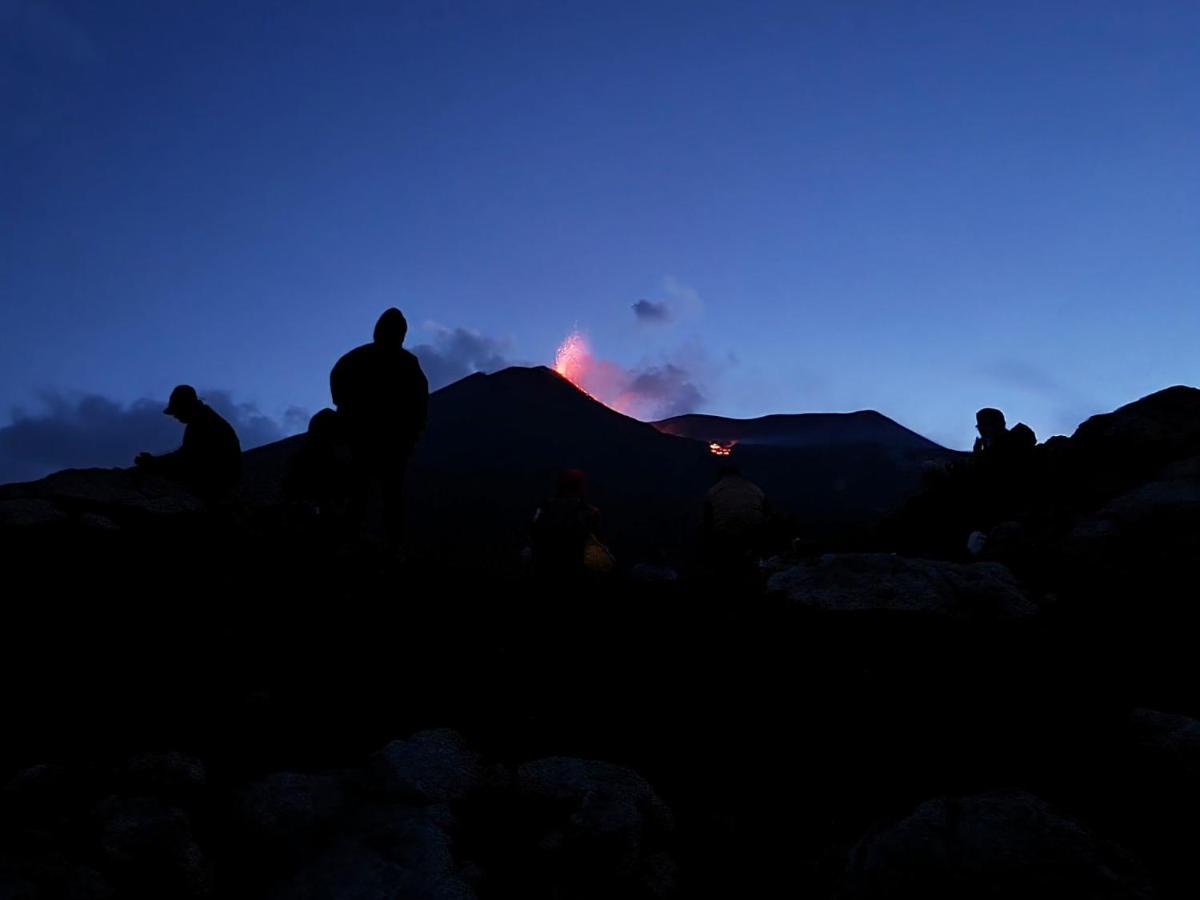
point(350, 468)
point(349, 474)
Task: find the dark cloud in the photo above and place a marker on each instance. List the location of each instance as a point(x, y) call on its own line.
point(665, 391)
point(457, 353)
point(90, 430)
point(646, 392)
point(652, 312)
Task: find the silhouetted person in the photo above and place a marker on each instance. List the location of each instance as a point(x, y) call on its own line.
point(1001, 478)
point(735, 518)
point(962, 501)
point(382, 399)
point(563, 529)
point(209, 462)
point(995, 438)
point(320, 473)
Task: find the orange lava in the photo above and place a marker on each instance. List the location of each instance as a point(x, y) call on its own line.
point(601, 380)
point(720, 449)
point(572, 358)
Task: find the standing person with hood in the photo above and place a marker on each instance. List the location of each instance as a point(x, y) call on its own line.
point(382, 399)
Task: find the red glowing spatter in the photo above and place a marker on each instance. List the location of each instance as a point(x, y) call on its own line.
point(571, 359)
point(598, 379)
point(720, 449)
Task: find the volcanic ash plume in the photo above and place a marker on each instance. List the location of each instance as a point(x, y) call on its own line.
point(649, 393)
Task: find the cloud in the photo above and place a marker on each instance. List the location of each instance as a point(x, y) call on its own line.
point(681, 302)
point(665, 391)
point(652, 312)
point(645, 392)
point(458, 352)
point(84, 430)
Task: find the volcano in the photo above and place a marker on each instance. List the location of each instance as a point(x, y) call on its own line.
point(494, 444)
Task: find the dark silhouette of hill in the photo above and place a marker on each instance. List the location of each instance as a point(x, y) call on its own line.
point(494, 443)
point(802, 430)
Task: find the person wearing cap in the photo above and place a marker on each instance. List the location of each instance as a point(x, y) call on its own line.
point(209, 461)
point(382, 398)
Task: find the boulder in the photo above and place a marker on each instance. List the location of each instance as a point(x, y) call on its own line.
point(287, 810)
point(44, 797)
point(151, 847)
point(351, 871)
point(601, 824)
point(29, 512)
point(607, 797)
point(1168, 741)
point(429, 767)
point(117, 492)
point(1159, 517)
point(50, 874)
point(1161, 784)
point(418, 838)
point(171, 775)
point(1151, 431)
point(385, 851)
point(855, 582)
point(1003, 844)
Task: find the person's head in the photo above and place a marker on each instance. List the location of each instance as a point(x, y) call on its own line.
point(183, 403)
point(989, 423)
point(323, 425)
point(392, 328)
point(572, 483)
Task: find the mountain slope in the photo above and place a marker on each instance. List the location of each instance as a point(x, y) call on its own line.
point(802, 430)
point(495, 442)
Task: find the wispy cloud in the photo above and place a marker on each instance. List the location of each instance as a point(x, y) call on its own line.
point(455, 353)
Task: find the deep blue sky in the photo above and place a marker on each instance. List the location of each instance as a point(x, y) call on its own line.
point(918, 207)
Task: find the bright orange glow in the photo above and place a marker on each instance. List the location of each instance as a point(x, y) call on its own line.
point(720, 449)
point(603, 381)
point(572, 358)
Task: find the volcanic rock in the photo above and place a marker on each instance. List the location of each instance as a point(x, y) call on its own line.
point(886, 582)
point(1005, 844)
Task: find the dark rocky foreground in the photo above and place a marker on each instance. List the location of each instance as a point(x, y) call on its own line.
point(208, 703)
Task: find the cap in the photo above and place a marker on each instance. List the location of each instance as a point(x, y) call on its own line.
point(182, 398)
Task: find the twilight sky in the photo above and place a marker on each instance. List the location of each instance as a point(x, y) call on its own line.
point(750, 207)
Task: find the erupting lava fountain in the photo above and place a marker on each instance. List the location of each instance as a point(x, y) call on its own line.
point(572, 358)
